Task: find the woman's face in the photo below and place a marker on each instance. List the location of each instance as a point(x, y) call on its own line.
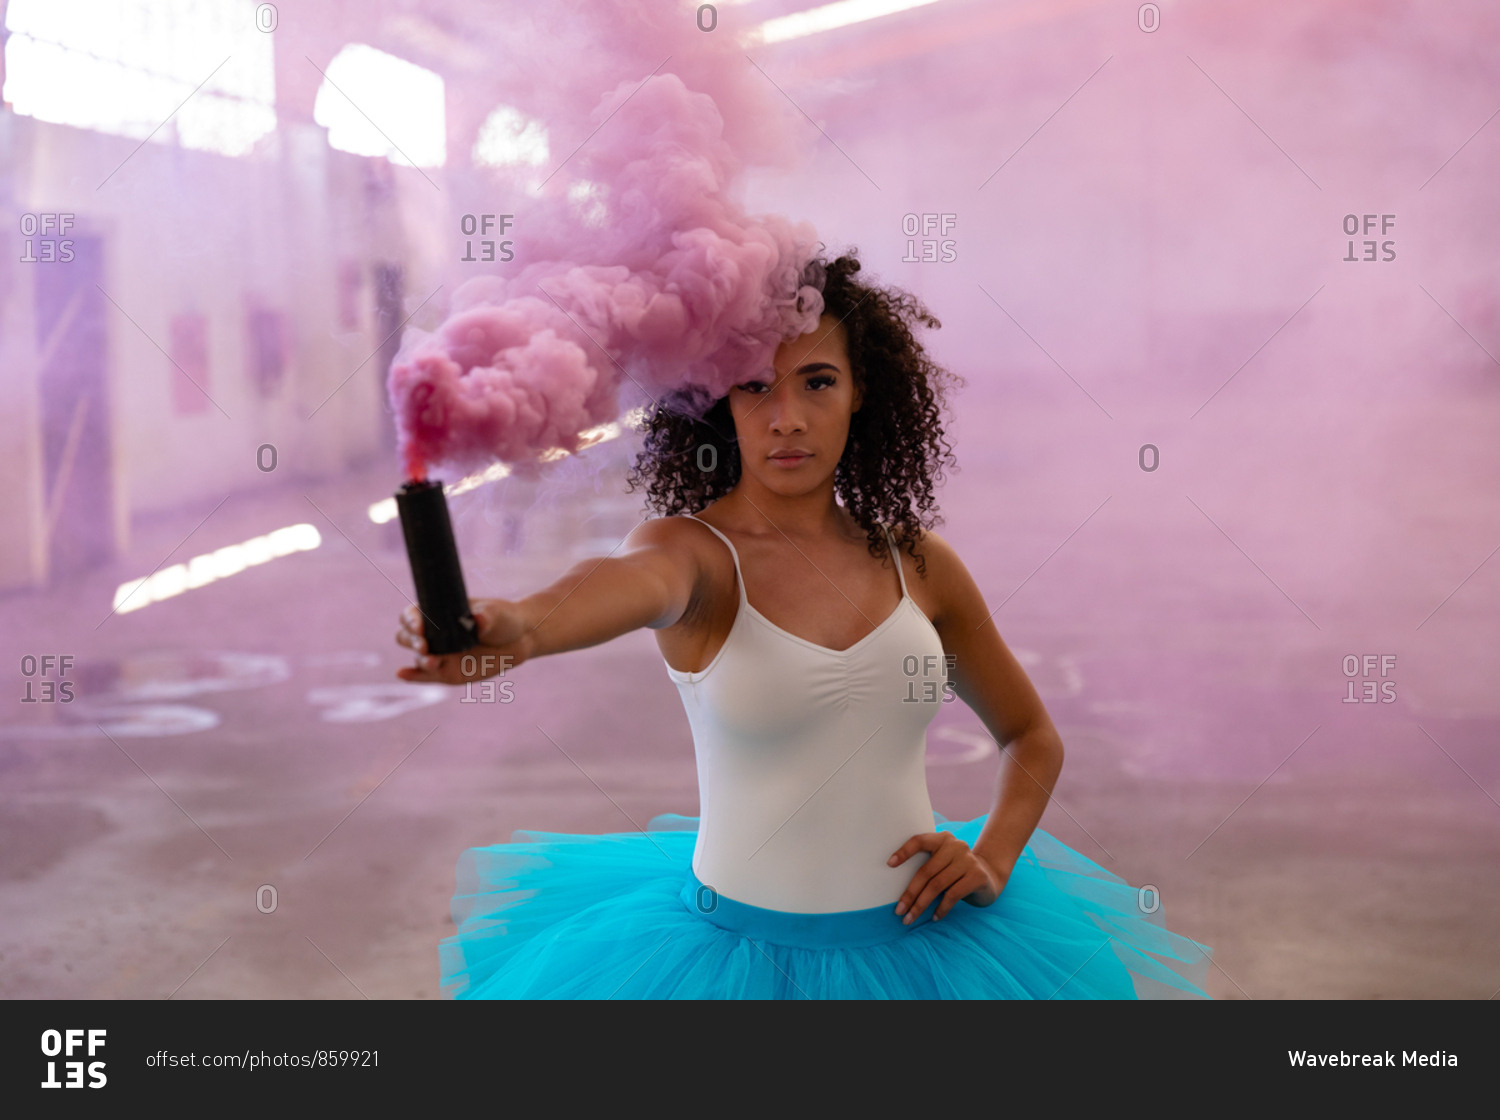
point(792, 430)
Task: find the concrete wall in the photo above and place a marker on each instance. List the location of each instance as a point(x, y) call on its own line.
point(189, 231)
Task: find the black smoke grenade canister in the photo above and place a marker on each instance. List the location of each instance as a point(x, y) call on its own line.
point(447, 623)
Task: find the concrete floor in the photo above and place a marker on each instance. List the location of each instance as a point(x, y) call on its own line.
point(1180, 667)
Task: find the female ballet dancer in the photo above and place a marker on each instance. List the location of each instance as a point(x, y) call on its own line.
point(817, 868)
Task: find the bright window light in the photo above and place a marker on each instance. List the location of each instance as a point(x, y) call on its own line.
point(131, 68)
point(375, 104)
point(827, 17)
point(134, 594)
point(509, 138)
point(587, 198)
point(385, 510)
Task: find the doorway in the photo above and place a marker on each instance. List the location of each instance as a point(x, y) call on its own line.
point(78, 494)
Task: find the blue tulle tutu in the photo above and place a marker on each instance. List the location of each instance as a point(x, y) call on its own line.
point(622, 916)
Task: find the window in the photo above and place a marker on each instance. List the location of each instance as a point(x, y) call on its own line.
point(200, 75)
point(375, 104)
point(509, 138)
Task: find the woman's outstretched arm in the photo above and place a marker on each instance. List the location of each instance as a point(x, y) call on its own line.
point(649, 581)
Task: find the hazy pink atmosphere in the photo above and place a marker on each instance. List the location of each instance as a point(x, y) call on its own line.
point(1222, 282)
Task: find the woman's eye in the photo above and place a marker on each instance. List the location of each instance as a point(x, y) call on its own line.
point(824, 378)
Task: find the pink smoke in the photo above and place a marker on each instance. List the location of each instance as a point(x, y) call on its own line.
point(677, 289)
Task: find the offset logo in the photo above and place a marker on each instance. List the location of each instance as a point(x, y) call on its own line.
point(65, 1044)
point(1352, 669)
point(36, 672)
point(483, 224)
point(934, 671)
point(940, 248)
point(1352, 227)
point(48, 226)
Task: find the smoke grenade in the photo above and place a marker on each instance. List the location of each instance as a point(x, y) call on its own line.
point(448, 624)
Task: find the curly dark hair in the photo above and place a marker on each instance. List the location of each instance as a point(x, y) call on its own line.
point(895, 450)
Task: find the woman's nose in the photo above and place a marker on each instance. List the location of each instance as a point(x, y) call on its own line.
point(785, 415)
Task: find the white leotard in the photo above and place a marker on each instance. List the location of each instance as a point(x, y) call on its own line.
point(811, 761)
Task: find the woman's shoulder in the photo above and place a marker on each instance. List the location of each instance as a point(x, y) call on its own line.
point(918, 537)
point(678, 548)
point(940, 561)
point(674, 532)
point(667, 527)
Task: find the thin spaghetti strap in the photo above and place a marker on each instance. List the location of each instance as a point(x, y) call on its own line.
point(895, 556)
point(733, 552)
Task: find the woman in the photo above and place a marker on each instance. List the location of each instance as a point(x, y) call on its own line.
point(818, 868)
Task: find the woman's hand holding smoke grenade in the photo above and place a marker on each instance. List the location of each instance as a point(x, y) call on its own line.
point(502, 645)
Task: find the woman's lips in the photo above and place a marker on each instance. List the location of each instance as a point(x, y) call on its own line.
point(789, 461)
